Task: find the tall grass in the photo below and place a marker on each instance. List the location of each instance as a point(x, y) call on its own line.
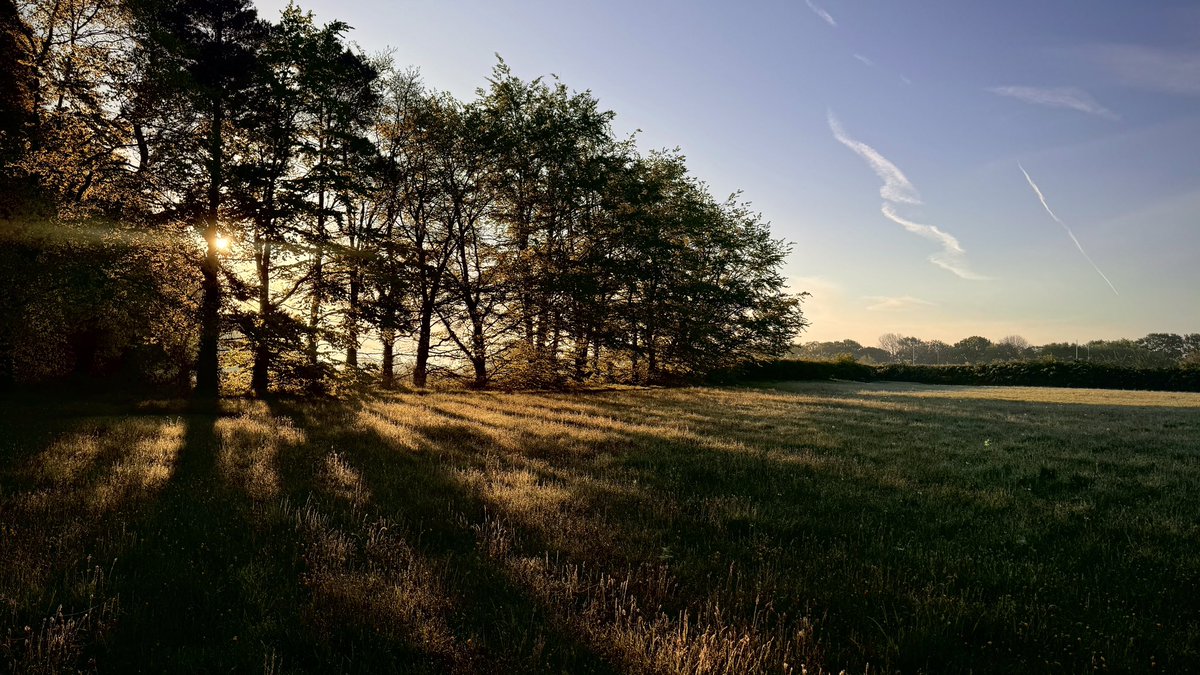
point(803, 527)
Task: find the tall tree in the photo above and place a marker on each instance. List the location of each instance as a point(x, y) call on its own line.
point(385, 275)
point(973, 349)
point(547, 140)
point(429, 235)
point(269, 198)
point(469, 173)
point(338, 110)
point(201, 60)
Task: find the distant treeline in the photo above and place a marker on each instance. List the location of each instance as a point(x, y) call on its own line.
point(1156, 350)
point(1030, 374)
point(194, 194)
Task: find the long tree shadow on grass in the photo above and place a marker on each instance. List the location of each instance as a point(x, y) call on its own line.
point(927, 562)
point(409, 569)
point(419, 533)
point(183, 589)
point(73, 473)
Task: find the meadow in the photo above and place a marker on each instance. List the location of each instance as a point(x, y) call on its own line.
point(791, 527)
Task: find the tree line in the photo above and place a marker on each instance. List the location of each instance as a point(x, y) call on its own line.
point(193, 192)
point(1156, 350)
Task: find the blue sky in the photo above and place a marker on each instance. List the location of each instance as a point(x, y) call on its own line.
point(1099, 101)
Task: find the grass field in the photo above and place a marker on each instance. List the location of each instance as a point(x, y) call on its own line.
point(783, 528)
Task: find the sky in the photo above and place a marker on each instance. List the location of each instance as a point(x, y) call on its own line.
point(944, 168)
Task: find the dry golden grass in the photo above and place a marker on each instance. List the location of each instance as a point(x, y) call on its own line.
point(801, 527)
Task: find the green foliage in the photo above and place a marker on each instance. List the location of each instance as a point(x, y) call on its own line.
point(90, 299)
point(1077, 374)
point(1047, 374)
point(783, 370)
point(340, 202)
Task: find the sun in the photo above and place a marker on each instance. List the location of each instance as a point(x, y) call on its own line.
point(221, 243)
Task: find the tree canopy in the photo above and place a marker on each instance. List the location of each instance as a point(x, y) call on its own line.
point(262, 205)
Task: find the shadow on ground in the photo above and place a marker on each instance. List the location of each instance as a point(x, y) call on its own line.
point(691, 530)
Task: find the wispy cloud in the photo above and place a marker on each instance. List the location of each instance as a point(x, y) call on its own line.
point(897, 189)
point(1072, 98)
point(1173, 72)
point(1042, 198)
point(951, 258)
point(896, 186)
point(825, 16)
point(865, 61)
point(883, 303)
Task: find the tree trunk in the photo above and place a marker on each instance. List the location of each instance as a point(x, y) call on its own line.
point(633, 357)
point(314, 309)
point(208, 377)
point(318, 288)
point(479, 359)
point(352, 322)
point(207, 363)
point(651, 359)
point(420, 370)
point(260, 376)
point(388, 367)
point(555, 336)
point(596, 358)
point(481, 374)
point(581, 356)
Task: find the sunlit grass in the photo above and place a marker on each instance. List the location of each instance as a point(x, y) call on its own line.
point(800, 526)
point(249, 445)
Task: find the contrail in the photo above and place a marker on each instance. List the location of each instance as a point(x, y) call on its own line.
point(1071, 234)
point(897, 189)
point(896, 186)
point(950, 258)
point(821, 13)
point(1072, 98)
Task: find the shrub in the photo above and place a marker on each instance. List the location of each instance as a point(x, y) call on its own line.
point(1028, 374)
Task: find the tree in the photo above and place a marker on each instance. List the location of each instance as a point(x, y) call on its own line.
point(1009, 348)
point(910, 347)
point(509, 237)
point(428, 235)
point(200, 59)
point(936, 352)
point(90, 285)
point(334, 152)
point(17, 82)
point(270, 198)
point(701, 282)
point(385, 277)
point(17, 111)
point(740, 308)
point(549, 143)
point(77, 63)
point(973, 349)
point(892, 343)
point(829, 351)
point(875, 355)
point(1171, 347)
point(473, 276)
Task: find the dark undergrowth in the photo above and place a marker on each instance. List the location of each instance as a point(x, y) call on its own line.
point(1074, 374)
